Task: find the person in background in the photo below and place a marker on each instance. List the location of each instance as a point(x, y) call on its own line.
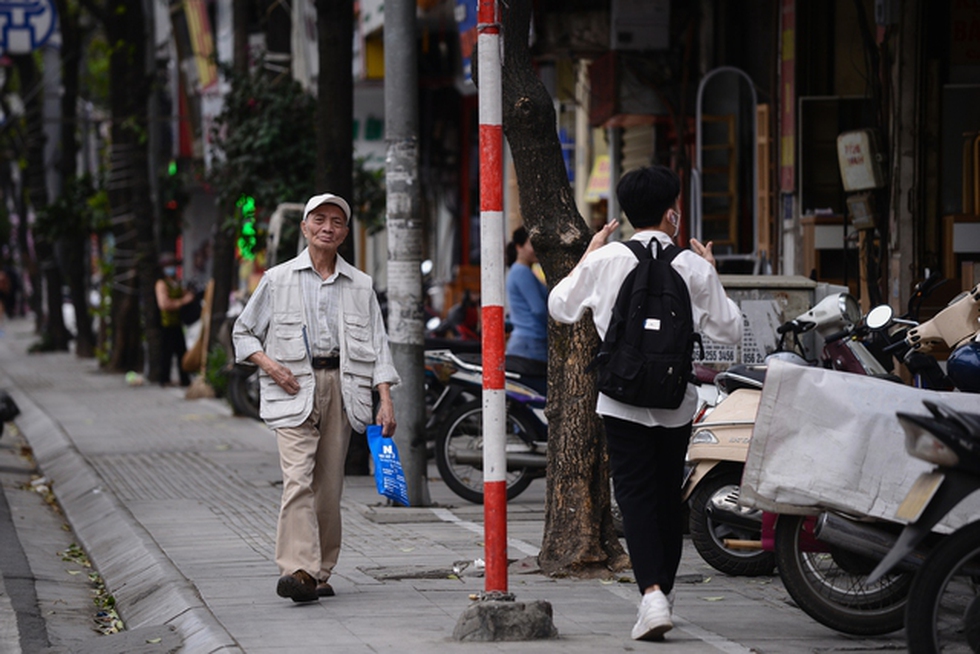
point(314, 329)
point(10, 291)
point(527, 300)
point(6, 298)
point(171, 296)
point(647, 446)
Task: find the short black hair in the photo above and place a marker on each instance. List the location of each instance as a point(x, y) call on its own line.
point(646, 193)
point(520, 235)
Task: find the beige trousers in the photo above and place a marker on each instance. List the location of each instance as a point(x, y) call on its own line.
point(312, 459)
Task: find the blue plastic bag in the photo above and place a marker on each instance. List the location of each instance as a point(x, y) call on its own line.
point(388, 473)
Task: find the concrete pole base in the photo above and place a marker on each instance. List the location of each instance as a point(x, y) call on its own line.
point(494, 620)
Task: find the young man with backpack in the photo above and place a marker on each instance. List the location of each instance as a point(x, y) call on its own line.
point(647, 444)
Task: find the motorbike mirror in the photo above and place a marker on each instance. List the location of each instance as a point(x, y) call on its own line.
point(879, 317)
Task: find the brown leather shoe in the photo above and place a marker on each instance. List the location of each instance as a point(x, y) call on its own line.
point(323, 589)
point(299, 587)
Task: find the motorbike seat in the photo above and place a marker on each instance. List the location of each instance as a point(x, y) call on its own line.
point(742, 376)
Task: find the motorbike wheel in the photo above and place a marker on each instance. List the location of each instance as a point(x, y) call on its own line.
point(708, 534)
point(943, 612)
point(463, 430)
point(243, 393)
point(831, 589)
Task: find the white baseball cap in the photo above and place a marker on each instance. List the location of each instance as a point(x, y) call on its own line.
point(326, 198)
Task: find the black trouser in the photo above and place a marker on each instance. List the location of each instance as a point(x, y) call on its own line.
point(173, 344)
point(647, 466)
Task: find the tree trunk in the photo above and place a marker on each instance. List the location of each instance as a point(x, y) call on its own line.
point(335, 139)
point(133, 300)
point(223, 244)
point(579, 537)
point(30, 301)
point(72, 250)
point(335, 108)
point(54, 335)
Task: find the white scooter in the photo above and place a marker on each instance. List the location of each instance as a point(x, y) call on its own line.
point(726, 535)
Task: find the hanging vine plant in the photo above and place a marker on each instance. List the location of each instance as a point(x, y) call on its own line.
point(264, 141)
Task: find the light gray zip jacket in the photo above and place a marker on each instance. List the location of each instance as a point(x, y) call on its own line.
point(273, 322)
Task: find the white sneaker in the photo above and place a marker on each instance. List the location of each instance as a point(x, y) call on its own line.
point(653, 618)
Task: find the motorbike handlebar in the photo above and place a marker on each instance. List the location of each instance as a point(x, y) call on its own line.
point(795, 326)
point(836, 336)
point(897, 345)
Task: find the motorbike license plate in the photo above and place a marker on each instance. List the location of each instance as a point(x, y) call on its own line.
point(919, 496)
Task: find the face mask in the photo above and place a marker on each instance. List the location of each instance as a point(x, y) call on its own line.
point(674, 219)
point(170, 271)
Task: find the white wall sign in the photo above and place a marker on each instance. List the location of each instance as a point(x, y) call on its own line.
point(25, 25)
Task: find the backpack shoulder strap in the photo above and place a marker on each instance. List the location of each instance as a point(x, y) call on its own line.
point(668, 253)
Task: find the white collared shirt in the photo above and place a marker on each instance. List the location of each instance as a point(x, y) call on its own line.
point(594, 284)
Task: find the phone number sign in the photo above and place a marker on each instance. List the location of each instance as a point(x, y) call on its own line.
point(25, 25)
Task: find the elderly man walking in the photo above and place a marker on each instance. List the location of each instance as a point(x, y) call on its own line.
point(314, 329)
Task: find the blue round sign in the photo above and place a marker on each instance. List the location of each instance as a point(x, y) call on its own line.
point(25, 25)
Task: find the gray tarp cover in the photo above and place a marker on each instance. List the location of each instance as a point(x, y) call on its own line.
point(825, 439)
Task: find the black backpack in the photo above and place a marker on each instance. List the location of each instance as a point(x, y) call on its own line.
point(646, 357)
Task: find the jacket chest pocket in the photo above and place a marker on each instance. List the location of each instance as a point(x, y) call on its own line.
point(289, 343)
point(360, 346)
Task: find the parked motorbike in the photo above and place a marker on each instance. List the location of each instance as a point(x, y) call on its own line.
point(734, 539)
point(457, 418)
point(728, 537)
point(243, 389)
point(825, 561)
point(943, 610)
point(461, 322)
point(826, 582)
point(243, 378)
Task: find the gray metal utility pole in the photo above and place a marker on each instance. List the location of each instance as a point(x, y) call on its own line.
point(405, 312)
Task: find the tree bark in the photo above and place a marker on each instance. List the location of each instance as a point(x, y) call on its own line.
point(223, 241)
point(335, 106)
point(133, 301)
point(54, 335)
point(335, 140)
point(579, 537)
point(73, 249)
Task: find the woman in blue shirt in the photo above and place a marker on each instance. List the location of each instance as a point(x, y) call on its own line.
point(527, 299)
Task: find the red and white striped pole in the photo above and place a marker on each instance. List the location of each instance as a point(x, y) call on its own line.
point(492, 297)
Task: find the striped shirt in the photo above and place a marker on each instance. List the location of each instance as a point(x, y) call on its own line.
point(321, 297)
